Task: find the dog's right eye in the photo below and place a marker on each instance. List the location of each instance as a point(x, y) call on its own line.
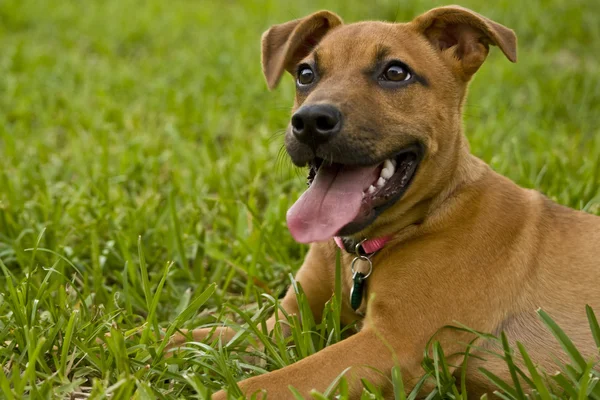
point(396, 72)
point(306, 75)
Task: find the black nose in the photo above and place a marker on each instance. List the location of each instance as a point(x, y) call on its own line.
point(316, 124)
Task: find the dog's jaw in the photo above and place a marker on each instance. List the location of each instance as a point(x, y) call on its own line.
point(388, 194)
point(345, 199)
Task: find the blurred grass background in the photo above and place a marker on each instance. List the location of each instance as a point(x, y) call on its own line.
point(122, 119)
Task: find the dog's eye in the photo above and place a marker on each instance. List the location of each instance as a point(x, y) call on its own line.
point(396, 73)
point(306, 75)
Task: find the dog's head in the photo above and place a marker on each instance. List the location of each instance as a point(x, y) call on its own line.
point(377, 114)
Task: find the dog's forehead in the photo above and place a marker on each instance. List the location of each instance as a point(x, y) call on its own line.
point(363, 42)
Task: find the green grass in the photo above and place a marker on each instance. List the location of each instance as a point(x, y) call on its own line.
point(143, 187)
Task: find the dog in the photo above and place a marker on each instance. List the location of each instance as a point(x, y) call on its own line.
point(430, 234)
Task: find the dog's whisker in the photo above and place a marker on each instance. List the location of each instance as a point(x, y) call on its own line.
point(281, 160)
point(276, 135)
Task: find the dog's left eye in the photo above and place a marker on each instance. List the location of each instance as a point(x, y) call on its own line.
point(306, 75)
point(396, 73)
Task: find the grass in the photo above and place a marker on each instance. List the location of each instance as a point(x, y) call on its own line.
point(143, 187)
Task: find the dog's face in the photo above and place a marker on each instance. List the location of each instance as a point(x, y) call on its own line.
point(377, 111)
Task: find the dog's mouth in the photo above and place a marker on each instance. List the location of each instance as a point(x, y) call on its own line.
point(344, 199)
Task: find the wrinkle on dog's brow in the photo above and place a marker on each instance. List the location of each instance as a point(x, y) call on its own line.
point(381, 53)
point(316, 57)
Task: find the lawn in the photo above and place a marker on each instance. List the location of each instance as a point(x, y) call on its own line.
point(143, 185)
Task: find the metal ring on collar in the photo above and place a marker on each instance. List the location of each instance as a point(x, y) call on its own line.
point(364, 258)
point(358, 247)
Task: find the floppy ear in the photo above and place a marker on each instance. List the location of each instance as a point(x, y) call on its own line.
point(467, 34)
point(283, 46)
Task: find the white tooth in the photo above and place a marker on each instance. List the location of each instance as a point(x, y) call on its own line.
point(364, 194)
point(371, 189)
point(380, 182)
point(388, 164)
point(387, 173)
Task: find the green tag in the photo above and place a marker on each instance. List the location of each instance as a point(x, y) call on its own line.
point(356, 293)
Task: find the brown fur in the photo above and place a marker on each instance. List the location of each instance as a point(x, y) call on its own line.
point(468, 244)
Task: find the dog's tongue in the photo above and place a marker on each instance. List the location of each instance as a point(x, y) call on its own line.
point(332, 201)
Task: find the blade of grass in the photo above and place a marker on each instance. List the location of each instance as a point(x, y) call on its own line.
point(337, 303)
point(5, 386)
point(563, 340)
point(595, 328)
point(511, 366)
point(566, 385)
point(398, 384)
point(144, 273)
point(508, 390)
point(66, 344)
point(540, 385)
point(584, 382)
point(185, 315)
point(333, 385)
point(151, 320)
point(177, 237)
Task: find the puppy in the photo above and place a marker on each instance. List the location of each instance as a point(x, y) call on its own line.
point(430, 234)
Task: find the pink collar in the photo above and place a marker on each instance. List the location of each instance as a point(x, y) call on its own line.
point(369, 246)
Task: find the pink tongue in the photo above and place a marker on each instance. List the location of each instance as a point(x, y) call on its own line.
point(332, 201)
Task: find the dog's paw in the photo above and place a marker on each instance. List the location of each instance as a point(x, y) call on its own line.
point(185, 336)
point(180, 338)
point(197, 335)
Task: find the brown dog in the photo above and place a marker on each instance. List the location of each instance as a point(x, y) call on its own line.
point(456, 241)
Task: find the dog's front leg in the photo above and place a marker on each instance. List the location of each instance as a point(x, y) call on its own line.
point(289, 304)
point(315, 276)
point(363, 355)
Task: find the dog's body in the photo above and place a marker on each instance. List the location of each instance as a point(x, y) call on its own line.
point(465, 244)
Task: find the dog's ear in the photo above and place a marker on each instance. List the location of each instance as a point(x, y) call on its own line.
point(283, 46)
point(467, 34)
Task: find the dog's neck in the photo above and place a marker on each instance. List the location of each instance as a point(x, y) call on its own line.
point(468, 170)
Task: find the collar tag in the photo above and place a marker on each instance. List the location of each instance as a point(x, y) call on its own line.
point(363, 251)
point(359, 278)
